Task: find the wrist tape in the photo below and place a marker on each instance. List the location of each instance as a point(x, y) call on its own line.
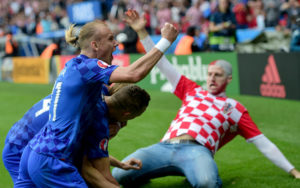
point(163, 45)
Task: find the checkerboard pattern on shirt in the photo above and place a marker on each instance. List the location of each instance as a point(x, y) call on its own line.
point(90, 69)
point(20, 134)
point(25, 129)
point(203, 116)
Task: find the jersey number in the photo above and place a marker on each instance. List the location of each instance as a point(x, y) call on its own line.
point(45, 107)
point(57, 95)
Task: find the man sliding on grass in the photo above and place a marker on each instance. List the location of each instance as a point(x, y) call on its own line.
point(205, 122)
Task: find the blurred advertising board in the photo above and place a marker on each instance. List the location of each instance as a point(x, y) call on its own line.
point(80, 13)
point(270, 75)
point(30, 70)
point(192, 66)
point(6, 69)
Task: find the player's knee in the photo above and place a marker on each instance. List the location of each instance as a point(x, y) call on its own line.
point(123, 176)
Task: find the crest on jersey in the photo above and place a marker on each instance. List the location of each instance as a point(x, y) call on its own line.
point(102, 64)
point(103, 144)
point(227, 108)
point(233, 128)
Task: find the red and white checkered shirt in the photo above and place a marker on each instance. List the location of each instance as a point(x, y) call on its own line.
point(211, 120)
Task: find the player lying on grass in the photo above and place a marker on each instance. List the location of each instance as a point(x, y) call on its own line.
point(33, 120)
point(206, 121)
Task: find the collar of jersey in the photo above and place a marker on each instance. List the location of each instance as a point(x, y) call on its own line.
point(223, 94)
point(83, 56)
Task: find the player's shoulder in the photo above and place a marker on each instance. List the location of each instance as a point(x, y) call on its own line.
point(94, 63)
point(236, 104)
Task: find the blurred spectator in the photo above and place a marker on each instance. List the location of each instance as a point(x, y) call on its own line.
point(222, 28)
point(163, 15)
point(134, 4)
point(293, 12)
point(11, 46)
point(176, 11)
point(128, 38)
point(205, 9)
point(188, 44)
point(49, 51)
point(259, 14)
point(118, 9)
point(272, 12)
point(295, 40)
point(115, 17)
point(193, 14)
point(147, 15)
point(251, 14)
point(241, 10)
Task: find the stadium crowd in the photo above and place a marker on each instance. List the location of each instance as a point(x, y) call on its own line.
point(35, 17)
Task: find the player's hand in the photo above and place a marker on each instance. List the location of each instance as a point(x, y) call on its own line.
point(133, 19)
point(132, 164)
point(169, 32)
point(295, 173)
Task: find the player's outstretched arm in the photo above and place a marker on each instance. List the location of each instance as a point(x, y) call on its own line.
point(98, 177)
point(127, 165)
point(271, 151)
point(141, 67)
point(138, 23)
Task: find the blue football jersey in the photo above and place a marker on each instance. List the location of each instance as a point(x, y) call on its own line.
point(75, 94)
point(97, 136)
point(33, 120)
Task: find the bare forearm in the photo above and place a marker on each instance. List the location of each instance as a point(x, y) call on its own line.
point(103, 167)
point(138, 70)
point(144, 65)
point(95, 177)
point(115, 162)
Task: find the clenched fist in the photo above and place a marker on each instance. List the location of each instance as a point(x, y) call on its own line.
point(169, 32)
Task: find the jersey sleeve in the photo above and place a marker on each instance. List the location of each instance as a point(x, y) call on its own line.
point(96, 142)
point(247, 128)
point(184, 85)
point(94, 70)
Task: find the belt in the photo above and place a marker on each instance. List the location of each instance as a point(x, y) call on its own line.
point(182, 142)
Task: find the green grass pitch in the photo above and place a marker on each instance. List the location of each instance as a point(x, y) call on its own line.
point(240, 164)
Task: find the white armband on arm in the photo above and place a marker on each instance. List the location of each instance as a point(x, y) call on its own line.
point(164, 65)
point(271, 151)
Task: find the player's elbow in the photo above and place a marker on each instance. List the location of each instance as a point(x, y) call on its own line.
point(127, 74)
point(136, 77)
